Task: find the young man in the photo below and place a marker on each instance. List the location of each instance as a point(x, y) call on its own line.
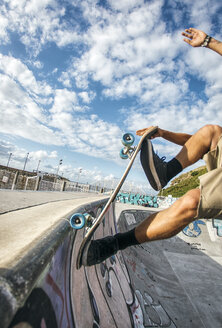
point(205, 202)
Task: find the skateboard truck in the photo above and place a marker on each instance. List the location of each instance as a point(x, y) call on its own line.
point(128, 150)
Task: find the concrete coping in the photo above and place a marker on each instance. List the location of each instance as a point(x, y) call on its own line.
point(20, 271)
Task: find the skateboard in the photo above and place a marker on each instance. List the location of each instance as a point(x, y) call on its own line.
point(79, 220)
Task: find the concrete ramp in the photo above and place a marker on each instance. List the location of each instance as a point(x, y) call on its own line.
point(171, 283)
point(177, 282)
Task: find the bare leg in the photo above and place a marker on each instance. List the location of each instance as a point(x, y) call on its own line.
point(170, 221)
point(199, 144)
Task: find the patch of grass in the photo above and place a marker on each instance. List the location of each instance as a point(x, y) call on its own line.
point(185, 182)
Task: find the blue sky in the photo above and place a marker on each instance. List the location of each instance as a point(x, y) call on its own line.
point(76, 75)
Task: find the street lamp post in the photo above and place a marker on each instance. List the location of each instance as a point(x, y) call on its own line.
point(37, 170)
point(26, 159)
point(10, 155)
point(80, 171)
point(60, 163)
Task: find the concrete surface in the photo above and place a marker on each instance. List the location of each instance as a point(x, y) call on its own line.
point(12, 200)
point(178, 281)
point(170, 283)
point(28, 215)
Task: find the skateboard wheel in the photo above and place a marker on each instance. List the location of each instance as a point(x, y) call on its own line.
point(77, 221)
point(128, 139)
point(122, 154)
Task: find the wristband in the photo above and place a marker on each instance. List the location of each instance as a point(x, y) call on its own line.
point(206, 41)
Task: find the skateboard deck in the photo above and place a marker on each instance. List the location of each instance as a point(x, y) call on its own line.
point(92, 223)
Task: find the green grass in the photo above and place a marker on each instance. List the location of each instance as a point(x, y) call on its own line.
point(185, 182)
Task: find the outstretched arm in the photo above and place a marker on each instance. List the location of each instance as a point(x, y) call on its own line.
point(198, 38)
point(177, 138)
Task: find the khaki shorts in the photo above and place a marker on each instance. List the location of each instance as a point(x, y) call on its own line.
point(210, 205)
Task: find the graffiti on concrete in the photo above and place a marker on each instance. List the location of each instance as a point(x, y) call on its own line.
point(217, 223)
point(111, 291)
point(154, 314)
point(137, 199)
point(38, 311)
point(193, 229)
point(145, 200)
point(48, 305)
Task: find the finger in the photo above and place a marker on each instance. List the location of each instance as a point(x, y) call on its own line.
point(187, 31)
point(188, 41)
point(192, 29)
point(139, 132)
point(187, 35)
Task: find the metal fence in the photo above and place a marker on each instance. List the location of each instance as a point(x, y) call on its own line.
point(19, 180)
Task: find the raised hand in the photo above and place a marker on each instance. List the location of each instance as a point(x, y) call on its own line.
point(194, 37)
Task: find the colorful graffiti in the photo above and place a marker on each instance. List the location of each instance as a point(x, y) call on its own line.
point(145, 200)
point(48, 306)
point(193, 229)
point(217, 223)
point(112, 292)
point(137, 199)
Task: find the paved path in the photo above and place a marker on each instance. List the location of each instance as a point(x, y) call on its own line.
point(26, 216)
point(19, 199)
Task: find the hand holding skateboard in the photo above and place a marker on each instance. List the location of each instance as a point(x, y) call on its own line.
point(156, 134)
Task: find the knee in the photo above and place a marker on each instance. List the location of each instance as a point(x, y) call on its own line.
point(211, 129)
point(189, 203)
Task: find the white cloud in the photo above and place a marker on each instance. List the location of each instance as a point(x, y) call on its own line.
point(95, 137)
point(15, 69)
point(124, 5)
point(42, 154)
point(64, 101)
point(87, 97)
point(19, 155)
point(3, 30)
point(21, 116)
point(38, 64)
point(37, 22)
point(122, 52)
point(61, 124)
point(201, 13)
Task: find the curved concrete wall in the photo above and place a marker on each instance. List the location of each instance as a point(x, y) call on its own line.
point(36, 290)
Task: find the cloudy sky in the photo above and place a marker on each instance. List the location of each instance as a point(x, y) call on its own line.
point(76, 74)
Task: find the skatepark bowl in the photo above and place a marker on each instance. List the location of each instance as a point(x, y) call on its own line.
point(171, 283)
